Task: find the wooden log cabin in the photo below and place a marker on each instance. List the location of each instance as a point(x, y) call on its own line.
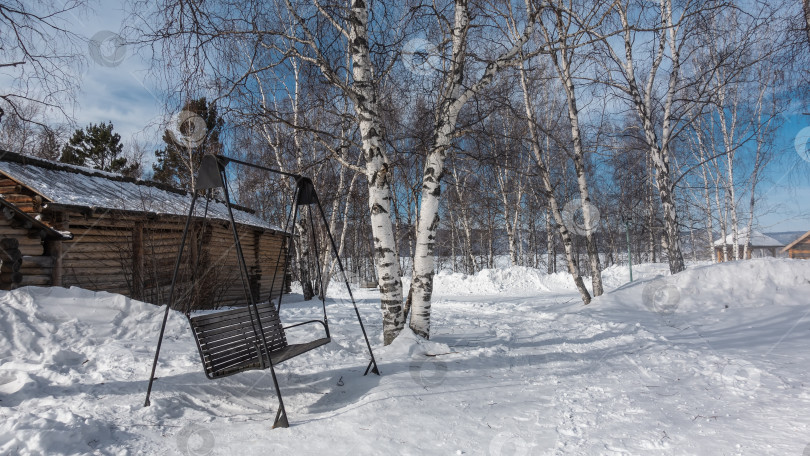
point(800, 248)
point(64, 225)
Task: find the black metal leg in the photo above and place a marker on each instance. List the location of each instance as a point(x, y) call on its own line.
point(281, 415)
point(346, 281)
point(171, 299)
point(281, 418)
point(258, 329)
point(374, 370)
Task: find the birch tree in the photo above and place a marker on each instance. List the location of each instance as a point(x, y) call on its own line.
point(317, 34)
point(656, 111)
point(743, 89)
point(765, 119)
point(562, 58)
point(510, 179)
point(455, 92)
point(548, 189)
point(460, 189)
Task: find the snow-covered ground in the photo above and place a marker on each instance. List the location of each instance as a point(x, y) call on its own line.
point(712, 361)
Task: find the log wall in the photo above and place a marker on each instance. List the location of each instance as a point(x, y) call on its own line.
point(23, 257)
point(135, 256)
point(22, 197)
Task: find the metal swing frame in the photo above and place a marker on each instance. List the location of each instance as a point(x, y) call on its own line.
point(256, 348)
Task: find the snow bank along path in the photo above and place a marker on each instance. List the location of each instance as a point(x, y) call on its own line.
point(711, 361)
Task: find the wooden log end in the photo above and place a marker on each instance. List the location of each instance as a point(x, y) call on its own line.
point(9, 243)
point(11, 277)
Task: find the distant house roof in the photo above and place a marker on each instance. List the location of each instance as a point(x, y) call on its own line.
point(61, 184)
point(757, 239)
point(799, 239)
point(786, 237)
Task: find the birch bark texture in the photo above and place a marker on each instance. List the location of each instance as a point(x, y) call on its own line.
point(643, 103)
point(548, 191)
point(364, 96)
point(562, 59)
point(455, 94)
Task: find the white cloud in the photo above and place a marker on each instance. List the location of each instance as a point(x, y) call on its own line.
point(112, 85)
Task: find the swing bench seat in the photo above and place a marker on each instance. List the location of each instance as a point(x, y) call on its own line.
point(228, 343)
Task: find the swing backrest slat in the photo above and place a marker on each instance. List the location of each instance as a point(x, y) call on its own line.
point(228, 343)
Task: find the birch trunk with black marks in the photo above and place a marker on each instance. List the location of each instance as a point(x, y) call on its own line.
point(427, 225)
point(551, 251)
point(721, 209)
point(467, 251)
point(548, 191)
point(329, 268)
point(761, 138)
point(377, 173)
point(562, 64)
point(510, 186)
point(752, 201)
point(303, 251)
point(666, 191)
point(470, 255)
point(511, 234)
point(650, 200)
point(304, 254)
point(362, 91)
point(731, 199)
point(454, 96)
point(704, 167)
point(709, 217)
point(643, 104)
point(728, 130)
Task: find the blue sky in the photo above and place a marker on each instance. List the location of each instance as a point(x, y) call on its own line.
point(118, 93)
point(786, 188)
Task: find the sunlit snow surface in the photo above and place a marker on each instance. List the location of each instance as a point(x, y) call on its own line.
point(712, 361)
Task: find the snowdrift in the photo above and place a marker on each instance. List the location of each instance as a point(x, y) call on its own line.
point(60, 346)
point(523, 280)
point(55, 329)
point(493, 281)
point(739, 284)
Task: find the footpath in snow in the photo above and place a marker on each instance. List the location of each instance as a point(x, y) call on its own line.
point(712, 361)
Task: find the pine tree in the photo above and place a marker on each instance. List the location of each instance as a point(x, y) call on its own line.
point(98, 147)
point(196, 134)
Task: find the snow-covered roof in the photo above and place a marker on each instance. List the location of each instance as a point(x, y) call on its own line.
point(71, 185)
point(757, 239)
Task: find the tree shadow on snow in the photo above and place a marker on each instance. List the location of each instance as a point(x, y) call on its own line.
point(240, 394)
point(788, 326)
